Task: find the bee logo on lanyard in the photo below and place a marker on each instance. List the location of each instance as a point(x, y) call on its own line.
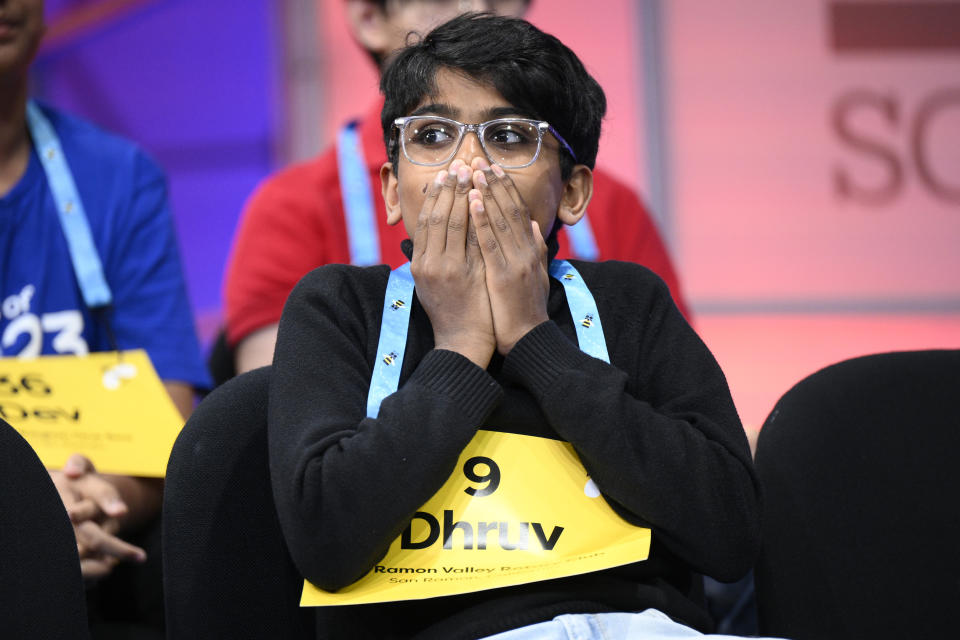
point(398, 304)
point(390, 358)
point(587, 321)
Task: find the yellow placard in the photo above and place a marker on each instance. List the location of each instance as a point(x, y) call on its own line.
point(518, 509)
point(110, 406)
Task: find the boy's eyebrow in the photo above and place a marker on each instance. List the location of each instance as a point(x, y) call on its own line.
point(502, 112)
point(446, 111)
point(436, 109)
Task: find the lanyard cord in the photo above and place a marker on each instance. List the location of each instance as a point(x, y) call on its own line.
point(73, 220)
point(582, 241)
point(355, 190)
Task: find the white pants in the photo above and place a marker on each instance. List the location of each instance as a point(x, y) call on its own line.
point(647, 625)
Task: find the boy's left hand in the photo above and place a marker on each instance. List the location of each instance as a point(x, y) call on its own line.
point(514, 255)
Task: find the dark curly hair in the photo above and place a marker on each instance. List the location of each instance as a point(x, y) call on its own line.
point(532, 70)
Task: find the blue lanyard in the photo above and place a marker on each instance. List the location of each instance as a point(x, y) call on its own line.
point(356, 192)
point(583, 309)
point(393, 338)
point(583, 244)
point(396, 323)
point(73, 218)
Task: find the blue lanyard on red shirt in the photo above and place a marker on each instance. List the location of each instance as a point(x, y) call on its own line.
point(355, 189)
point(396, 323)
point(582, 242)
point(70, 211)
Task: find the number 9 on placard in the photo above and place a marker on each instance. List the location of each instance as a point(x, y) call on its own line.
point(491, 477)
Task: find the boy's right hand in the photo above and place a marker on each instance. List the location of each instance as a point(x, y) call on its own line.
point(448, 270)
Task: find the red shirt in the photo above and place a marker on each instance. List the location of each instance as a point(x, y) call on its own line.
point(294, 222)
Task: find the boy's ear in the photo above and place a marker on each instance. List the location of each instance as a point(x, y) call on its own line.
point(391, 195)
point(368, 24)
point(576, 195)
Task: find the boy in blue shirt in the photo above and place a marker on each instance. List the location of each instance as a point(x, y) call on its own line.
point(44, 306)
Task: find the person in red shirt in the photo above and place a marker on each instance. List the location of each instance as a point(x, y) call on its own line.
point(328, 209)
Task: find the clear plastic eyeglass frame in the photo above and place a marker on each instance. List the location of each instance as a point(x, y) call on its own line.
point(479, 129)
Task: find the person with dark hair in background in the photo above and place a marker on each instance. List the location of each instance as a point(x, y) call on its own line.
point(327, 210)
point(90, 198)
point(381, 379)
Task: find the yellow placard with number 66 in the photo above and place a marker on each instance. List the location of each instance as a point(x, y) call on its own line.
point(518, 509)
point(110, 406)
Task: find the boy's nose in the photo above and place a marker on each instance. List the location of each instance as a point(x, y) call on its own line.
point(470, 148)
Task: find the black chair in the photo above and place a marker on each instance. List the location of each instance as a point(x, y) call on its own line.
point(227, 571)
point(41, 589)
point(860, 464)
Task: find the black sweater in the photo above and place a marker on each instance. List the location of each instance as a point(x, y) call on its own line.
point(656, 429)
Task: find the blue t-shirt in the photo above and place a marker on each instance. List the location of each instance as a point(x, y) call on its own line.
point(125, 197)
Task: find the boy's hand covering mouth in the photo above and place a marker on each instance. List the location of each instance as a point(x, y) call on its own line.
point(449, 270)
point(514, 255)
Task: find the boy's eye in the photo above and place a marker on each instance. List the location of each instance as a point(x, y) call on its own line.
point(432, 134)
point(511, 134)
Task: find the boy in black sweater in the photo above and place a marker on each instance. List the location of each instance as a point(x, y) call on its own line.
point(492, 127)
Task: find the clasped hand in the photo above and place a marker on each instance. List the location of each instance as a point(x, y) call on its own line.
point(479, 261)
point(95, 509)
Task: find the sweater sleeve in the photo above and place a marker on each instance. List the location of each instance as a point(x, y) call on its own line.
point(346, 485)
point(662, 442)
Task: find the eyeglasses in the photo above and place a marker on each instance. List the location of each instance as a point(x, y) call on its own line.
point(512, 143)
